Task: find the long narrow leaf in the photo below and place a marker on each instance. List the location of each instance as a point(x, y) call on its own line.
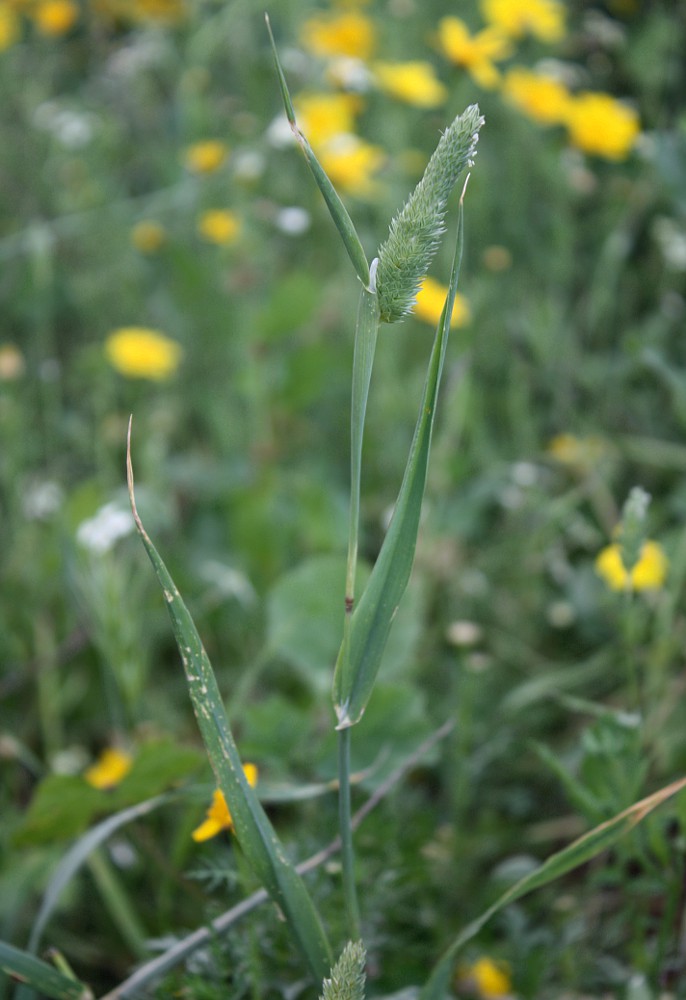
point(337, 209)
point(33, 972)
point(253, 830)
point(360, 656)
point(79, 853)
point(578, 853)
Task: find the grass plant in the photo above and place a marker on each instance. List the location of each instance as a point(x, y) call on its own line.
point(435, 739)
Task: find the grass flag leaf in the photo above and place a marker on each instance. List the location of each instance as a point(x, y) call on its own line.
point(31, 971)
point(253, 830)
point(360, 655)
point(337, 209)
point(578, 853)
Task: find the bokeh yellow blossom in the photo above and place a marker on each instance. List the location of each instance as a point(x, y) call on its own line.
point(540, 96)
point(431, 299)
point(489, 980)
point(9, 27)
point(218, 815)
point(580, 452)
point(135, 11)
point(322, 117)
point(55, 17)
point(413, 82)
point(139, 352)
point(351, 164)
point(206, 157)
point(217, 225)
point(148, 236)
point(478, 53)
point(545, 19)
point(348, 33)
point(12, 363)
point(602, 126)
point(109, 769)
point(649, 573)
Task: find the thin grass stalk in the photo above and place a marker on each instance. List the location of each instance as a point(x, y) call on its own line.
point(347, 854)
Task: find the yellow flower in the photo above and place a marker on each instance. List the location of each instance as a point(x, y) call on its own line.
point(169, 11)
point(431, 299)
point(206, 157)
point(218, 815)
point(649, 573)
point(321, 117)
point(351, 163)
point(55, 17)
point(542, 97)
point(9, 27)
point(543, 18)
point(475, 53)
point(412, 82)
point(110, 768)
point(12, 364)
point(138, 352)
point(600, 125)
point(487, 978)
point(219, 226)
point(148, 236)
point(346, 34)
point(583, 453)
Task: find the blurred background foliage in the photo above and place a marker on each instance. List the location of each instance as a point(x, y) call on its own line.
point(164, 253)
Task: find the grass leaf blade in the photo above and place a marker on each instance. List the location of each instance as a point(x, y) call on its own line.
point(360, 656)
point(253, 830)
point(578, 853)
point(337, 209)
point(38, 974)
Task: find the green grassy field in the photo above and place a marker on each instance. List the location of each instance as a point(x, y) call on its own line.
point(165, 253)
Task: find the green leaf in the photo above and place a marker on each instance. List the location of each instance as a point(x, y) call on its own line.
point(337, 209)
point(360, 657)
point(33, 972)
point(578, 853)
point(304, 610)
point(253, 830)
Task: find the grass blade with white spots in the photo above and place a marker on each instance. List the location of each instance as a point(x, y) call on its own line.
point(578, 853)
point(253, 830)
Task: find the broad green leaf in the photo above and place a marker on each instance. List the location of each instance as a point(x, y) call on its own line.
point(361, 651)
point(578, 853)
point(253, 830)
point(33, 972)
point(337, 209)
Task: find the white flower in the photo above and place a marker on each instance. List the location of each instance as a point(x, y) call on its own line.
point(99, 533)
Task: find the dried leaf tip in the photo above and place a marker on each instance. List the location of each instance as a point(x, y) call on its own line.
point(415, 233)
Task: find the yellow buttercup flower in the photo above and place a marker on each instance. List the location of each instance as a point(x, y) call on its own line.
point(543, 18)
point(12, 363)
point(349, 33)
point(55, 17)
point(148, 236)
point(431, 299)
point(206, 157)
point(9, 27)
point(475, 53)
point(218, 815)
point(649, 573)
point(110, 768)
point(219, 226)
point(351, 164)
point(582, 453)
point(138, 352)
point(602, 126)
point(488, 979)
point(322, 117)
point(540, 96)
point(412, 82)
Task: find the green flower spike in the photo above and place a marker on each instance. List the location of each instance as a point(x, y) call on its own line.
point(415, 233)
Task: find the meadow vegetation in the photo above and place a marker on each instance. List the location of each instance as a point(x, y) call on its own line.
point(165, 253)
